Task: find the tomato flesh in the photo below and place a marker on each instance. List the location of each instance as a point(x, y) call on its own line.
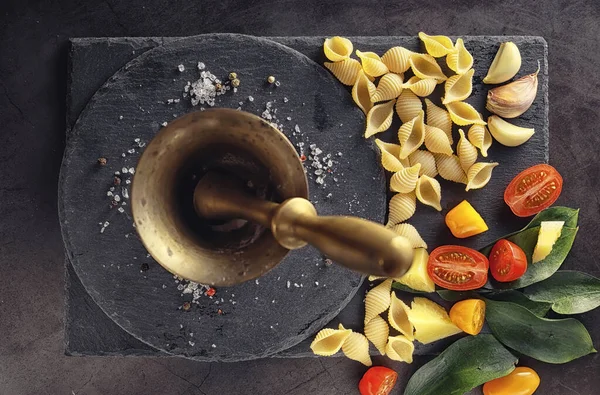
point(507, 261)
point(457, 268)
point(521, 381)
point(378, 380)
point(533, 190)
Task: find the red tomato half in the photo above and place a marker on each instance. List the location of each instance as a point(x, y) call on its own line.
point(457, 268)
point(378, 380)
point(533, 190)
point(507, 261)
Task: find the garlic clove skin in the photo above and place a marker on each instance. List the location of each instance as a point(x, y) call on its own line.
point(512, 100)
point(508, 134)
point(505, 65)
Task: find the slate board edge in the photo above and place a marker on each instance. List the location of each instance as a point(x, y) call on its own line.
point(283, 40)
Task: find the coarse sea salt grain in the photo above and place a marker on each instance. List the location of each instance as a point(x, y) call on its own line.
point(181, 68)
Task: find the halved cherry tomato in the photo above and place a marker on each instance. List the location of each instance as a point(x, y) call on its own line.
point(378, 380)
point(533, 190)
point(521, 381)
point(457, 268)
point(507, 261)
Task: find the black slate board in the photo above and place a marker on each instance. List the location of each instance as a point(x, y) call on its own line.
point(118, 51)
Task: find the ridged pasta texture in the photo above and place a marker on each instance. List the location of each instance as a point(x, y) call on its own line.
point(411, 233)
point(379, 118)
point(362, 91)
point(437, 46)
point(337, 48)
point(429, 192)
point(426, 160)
point(439, 118)
point(345, 71)
point(397, 59)
point(467, 153)
point(398, 317)
point(481, 138)
point(408, 105)
point(377, 300)
point(402, 207)
point(377, 331)
point(329, 341)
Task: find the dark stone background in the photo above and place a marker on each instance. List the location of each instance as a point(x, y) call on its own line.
point(33, 64)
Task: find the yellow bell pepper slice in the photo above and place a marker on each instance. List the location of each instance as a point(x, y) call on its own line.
point(463, 221)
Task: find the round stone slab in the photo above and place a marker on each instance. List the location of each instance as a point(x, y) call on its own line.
point(255, 319)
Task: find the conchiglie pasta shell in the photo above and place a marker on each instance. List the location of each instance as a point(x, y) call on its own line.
point(481, 138)
point(464, 114)
point(402, 207)
point(389, 156)
point(362, 91)
point(377, 331)
point(420, 87)
point(426, 67)
point(450, 169)
point(461, 60)
point(397, 59)
point(429, 192)
point(399, 348)
point(411, 233)
point(458, 87)
point(436, 141)
point(439, 118)
point(356, 347)
point(467, 153)
point(345, 71)
point(337, 48)
point(479, 175)
point(398, 317)
point(405, 180)
point(379, 118)
point(389, 87)
point(371, 63)
point(437, 46)
point(377, 300)
point(427, 161)
point(408, 105)
point(329, 341)
point(411, 135)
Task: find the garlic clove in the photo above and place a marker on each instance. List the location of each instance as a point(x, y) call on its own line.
point(506, 64)
point(508, 134)
point(512, 100)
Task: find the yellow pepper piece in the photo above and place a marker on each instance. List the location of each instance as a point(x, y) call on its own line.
point(463, 221)
point(468, 315)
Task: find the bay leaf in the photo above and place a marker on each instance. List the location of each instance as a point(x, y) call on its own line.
point(510, 295)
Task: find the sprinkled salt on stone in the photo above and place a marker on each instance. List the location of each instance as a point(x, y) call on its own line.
point(117, 198)
point(109, 193)
point(132, 170)
point(131, 151)
point(125, 193)
point(127, 181)
point(296, 285)
point(176, 100)
point(250, 98)
point(329, 195)
point(318, 172)
point(120, 117)
point(289, 118)
point(201, 66)
point(277, 83)
point(285, 99)
point(111, 189)
point(256, 281)
point(273, 301)
point(297, 129)
point(170, 101)
point(288, 284)
point(121, 210)
point(317, 283)
point(214, 346)
point(164, 286)
point(164, 124)
point(181, 68)
point(123, 154)
point(104, 226)
point(124, 170)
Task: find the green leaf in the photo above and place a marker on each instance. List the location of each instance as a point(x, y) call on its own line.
point(536, 272)
point(538, 308)
point(405, 288)
point(551, 341)
point(569, 292)
point(464, 365)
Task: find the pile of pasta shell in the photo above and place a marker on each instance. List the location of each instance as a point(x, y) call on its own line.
point(399, 82)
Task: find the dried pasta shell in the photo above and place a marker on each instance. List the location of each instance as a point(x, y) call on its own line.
point(449, 168)
point(377, 300)
point(464, 114)
point(426, 67)
point(397, 59)
point(399, 348)
point(377, 331)
point(356, 347)
point(371, 63)
point(345, 71)
point(481, 138)
point(362, 91)
point(329, 341)
point(479, 175)
point(405, 180)
point(429, 192)
point(427, 161)
point(389, 156)
point(437, 46)
point(436, 141)
point(420, 87)
point(411, 135)
point(402, 207)
point(461, 60)
point(337, 48)
point(458, 87)
point(411, 233)
point(398, 317)
point(379, 118)
point(467, 153)
point(389, 87)
point(408, 105)
point(439, 118)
